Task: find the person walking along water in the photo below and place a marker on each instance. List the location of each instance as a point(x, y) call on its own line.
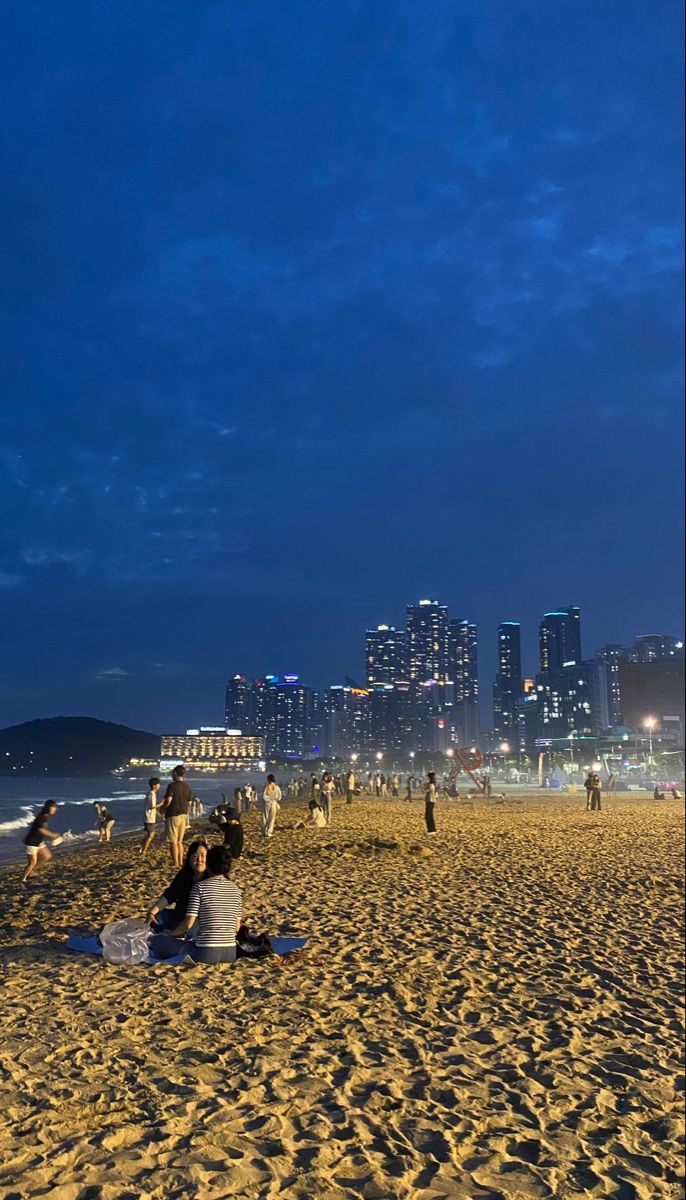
point(271, 802)
point(430, 803)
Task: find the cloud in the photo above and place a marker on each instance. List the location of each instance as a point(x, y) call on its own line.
point(10, 579)
point(111, 674)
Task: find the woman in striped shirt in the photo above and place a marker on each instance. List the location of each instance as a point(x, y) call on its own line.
point(215, 902)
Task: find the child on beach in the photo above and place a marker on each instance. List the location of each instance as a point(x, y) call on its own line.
point(150, 814)
point(104, 822)
point(36, 852)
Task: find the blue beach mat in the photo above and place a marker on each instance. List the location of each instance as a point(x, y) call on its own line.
point(91, 945)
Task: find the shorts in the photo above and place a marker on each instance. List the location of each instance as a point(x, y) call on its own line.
point(176, 828)
point(32, 851)
point(107, 825)
point(149, 826)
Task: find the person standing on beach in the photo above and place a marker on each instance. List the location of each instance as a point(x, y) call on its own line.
point(104, 822)
point(271, 802)
point(430, 796)
point(595, 793)
point(36, 852)
point(408, 788)
point(150, 814)
point(177, 801)
point(328, 788)
point(350, 787)
point(588, 784)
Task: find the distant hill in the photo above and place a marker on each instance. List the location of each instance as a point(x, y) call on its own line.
point(72, 746)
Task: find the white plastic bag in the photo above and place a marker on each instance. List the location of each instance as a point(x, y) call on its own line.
point(126, 942)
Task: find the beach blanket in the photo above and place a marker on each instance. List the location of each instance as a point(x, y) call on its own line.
point(91, 945)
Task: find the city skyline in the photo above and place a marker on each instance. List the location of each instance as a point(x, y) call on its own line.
point(309, 309)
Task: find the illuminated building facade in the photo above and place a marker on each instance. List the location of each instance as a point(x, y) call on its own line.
point(239, 707)
point(463, 672)
point(560, 640)
point(508, 685)
point(427, 641)
point(347, 721)
point(386, 655)
point(211, 749)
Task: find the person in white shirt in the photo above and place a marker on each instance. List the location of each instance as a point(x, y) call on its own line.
point(150, 814)
point(350, 787)
point(328, 789)
point(271, 802)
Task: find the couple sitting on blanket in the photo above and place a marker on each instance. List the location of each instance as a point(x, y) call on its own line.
point(206, 905)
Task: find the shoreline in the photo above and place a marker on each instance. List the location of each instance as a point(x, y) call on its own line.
point(493, 1011)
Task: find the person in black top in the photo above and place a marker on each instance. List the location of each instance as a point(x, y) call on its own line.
point(170, 909)
point(177, 801)
point(233, 833)
point(36, 852)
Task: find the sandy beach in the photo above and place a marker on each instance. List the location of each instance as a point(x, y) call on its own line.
point(492, 1013)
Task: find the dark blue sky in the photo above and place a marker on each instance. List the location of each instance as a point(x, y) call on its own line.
point(310, 309)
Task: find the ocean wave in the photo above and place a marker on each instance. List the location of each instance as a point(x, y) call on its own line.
point(8, 827)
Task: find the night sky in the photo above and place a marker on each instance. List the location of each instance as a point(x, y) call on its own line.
point(311, 309)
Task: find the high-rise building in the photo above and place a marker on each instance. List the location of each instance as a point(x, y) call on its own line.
point(657, 647)
point(239, 709)
point(653, 691)
point(463, 671)
point(508, 685)
point(427, 641)
point(386, 655)
point(574, 700)
point(291, 717)
point(612, 655)
point(560, 640)
point(393, 718)
point(347, 721)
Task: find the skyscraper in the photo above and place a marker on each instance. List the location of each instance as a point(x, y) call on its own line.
point(239, 708)
point(427, 641)
point(612, 655)
point(386, 655)
point(507, 689)
point(463, 670)
point(560, 640)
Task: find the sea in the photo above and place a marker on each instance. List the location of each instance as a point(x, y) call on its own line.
point(22, 799)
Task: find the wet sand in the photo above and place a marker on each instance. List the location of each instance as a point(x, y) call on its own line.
point(492, 1013)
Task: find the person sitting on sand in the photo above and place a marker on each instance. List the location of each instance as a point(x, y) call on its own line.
point(676, 794)
point(317, 817)
point(150, 814)
point(36, 852)
point(170, 908)
point(104, 822)
point(233, 833)
point(215, 904)
point(657, 794)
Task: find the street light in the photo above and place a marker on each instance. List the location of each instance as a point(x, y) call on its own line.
point(379, 756)
point(449, 753)
point(504, 747)
point(650, 724)
point(570, 739)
